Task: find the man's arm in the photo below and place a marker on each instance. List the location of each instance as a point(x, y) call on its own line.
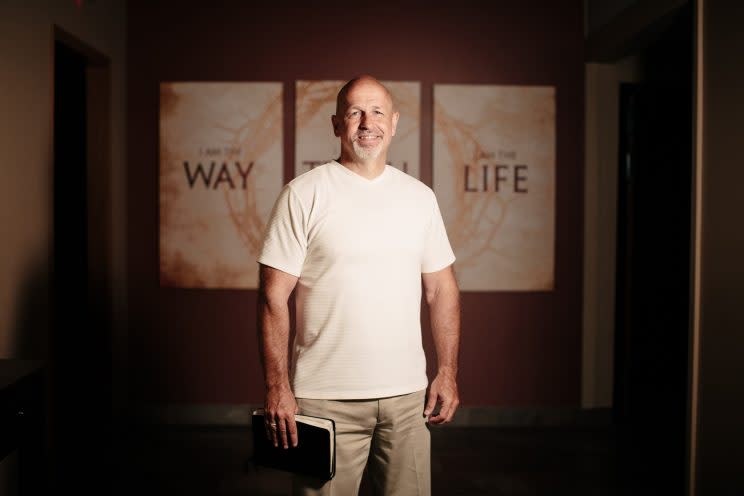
point(275, 286)
point(443, 297)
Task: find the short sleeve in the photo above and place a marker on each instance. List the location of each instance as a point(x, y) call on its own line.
point(438, 253)
point(285, 240)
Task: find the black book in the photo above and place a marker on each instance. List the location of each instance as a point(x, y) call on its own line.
point(314, 455)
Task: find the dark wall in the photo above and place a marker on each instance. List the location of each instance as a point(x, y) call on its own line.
point(199, 346)
point(720, 405)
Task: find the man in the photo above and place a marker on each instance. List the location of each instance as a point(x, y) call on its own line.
point(356, 237)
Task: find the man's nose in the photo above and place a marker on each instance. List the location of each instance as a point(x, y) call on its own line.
point(363, 121)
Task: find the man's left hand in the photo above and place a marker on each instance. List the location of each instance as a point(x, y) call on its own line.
point(443, 390)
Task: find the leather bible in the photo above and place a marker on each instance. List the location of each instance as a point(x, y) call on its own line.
point(314, 455)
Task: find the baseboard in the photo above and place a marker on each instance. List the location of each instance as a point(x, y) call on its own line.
point(474, 416)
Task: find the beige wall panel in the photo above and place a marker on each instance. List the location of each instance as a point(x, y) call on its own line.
point(220, 173)
point(494, 176)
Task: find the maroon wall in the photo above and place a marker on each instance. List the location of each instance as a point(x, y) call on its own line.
point(199, 346)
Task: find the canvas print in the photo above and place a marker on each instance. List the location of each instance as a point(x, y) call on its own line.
point(220, 173)
point(494, 177)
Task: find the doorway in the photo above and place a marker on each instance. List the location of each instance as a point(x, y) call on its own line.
point(653, 259)
point(80, 366)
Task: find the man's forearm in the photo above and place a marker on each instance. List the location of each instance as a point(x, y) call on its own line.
point(274, 288)
point(273, 333)
point(444, 309)
point(443, 298)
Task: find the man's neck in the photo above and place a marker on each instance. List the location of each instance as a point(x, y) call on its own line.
point(365, 168)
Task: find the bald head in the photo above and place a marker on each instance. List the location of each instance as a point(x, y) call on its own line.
point(365, 121)
point(365, 79)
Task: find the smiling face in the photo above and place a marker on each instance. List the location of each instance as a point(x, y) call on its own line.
point(365, 121)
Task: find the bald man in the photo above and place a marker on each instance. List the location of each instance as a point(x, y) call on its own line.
point(355, 238)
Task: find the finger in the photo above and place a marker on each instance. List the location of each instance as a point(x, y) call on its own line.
point(266, 428)
point(442, 414)
point(436, 419)
point(446, 412)
point(272, 429)
point(433, 395)
point(293, 431)
point(282, 426)
point(453, 409)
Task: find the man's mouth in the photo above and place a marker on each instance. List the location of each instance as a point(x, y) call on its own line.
point(367, 138)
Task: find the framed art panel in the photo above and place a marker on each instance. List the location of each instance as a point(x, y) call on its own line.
point(494, 176)
point(220, 173)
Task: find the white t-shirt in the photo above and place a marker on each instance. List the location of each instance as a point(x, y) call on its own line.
point(359, 247)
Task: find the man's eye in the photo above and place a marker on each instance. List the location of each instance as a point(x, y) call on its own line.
point(378, 112)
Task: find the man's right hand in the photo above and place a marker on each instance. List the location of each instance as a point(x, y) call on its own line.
point(280, 408)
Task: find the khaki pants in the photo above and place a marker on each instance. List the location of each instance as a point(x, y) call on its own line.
point(391, 432)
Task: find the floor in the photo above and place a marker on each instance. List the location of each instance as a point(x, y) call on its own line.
point(517, 461)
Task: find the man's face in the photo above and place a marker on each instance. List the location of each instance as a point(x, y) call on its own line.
point(365, 121)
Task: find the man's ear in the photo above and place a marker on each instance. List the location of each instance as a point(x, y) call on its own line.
point(336, 124)
point(396, 116)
